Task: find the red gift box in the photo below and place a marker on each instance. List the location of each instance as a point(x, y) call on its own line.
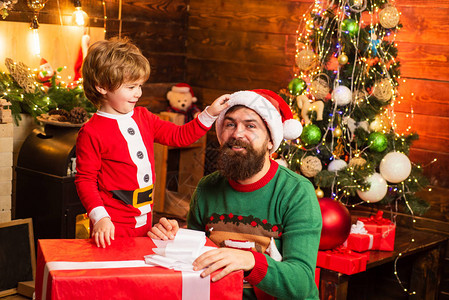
point(78, 269)
point(342, 260)
point(384, 227)
point(363, 242)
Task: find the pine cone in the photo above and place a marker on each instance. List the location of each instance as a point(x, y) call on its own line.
point(61, 112)
point(78, 115)
point(63, 118)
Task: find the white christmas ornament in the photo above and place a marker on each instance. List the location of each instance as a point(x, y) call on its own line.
point(337, 165)
point(395, 167)
point(342, 95)
point(377, 190)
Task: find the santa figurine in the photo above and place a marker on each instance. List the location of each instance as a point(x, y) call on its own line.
point(46, 72)
point(182, 99)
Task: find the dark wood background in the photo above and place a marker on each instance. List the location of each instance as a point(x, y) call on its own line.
point(221, 46)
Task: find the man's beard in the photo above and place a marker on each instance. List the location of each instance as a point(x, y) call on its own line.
point(240, 166)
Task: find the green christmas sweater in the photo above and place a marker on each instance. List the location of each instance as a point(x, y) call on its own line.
point(278, 218)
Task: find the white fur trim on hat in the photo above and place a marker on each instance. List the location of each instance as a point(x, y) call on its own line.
point(263, 108)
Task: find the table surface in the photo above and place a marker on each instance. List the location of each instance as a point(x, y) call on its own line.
point(423, 240)
point(334, 285)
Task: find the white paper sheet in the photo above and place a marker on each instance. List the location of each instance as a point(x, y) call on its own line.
point(179, 254)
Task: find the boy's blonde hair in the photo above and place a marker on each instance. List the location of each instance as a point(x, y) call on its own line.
point(111, 63)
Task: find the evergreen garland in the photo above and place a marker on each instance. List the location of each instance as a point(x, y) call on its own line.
point(41, 101)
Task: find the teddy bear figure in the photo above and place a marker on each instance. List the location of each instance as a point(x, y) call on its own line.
point(181, 100)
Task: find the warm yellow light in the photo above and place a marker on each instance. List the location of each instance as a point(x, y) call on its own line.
point(79, 17)
point(36, 48)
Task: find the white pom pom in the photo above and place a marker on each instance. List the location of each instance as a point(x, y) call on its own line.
point(292, 129)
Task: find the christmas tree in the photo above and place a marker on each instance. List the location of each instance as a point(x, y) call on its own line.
point(344, 92)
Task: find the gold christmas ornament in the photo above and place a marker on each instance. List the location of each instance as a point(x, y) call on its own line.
point(310, 26)
point(21, 74)
point(357, 162)
point(319, 88)
point(310, 166)
point(383, 90)
point(319, 193)
point(342, 59)
point(389, 17)
point(305, 59)
point(338, 132)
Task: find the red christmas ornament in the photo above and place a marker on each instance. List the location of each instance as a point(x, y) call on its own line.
point(336, 223)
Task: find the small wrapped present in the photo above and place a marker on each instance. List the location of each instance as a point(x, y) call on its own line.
point(361, 240)
point(342, 260)
point(386, 229)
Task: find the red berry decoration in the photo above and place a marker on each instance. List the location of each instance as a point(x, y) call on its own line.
point(336, 223)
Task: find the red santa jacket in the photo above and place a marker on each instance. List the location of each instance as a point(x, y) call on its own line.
point(115, 162)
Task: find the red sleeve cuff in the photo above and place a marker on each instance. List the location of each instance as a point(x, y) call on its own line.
point(260, 269)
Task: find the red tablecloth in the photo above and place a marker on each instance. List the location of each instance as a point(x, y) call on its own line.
point(115, 272)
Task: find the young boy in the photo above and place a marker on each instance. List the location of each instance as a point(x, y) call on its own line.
point(114, 149)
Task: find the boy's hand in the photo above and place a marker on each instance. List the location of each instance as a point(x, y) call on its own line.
point(227, 259)
point(103, 232)
point(218, 105)
point(164, 230)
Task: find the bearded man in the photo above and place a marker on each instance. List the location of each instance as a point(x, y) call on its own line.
point(265, 217)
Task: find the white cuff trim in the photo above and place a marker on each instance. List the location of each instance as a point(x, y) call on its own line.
point(206, 119)
point(97, 214)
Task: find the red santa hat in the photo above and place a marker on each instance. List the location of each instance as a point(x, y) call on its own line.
point(271, 108)
point(183, 88)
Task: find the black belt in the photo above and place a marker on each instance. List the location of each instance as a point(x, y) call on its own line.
point(136, 198)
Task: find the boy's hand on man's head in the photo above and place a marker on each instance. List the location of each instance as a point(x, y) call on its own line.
point(220, 104)
point(103, 232)
point(164, 230)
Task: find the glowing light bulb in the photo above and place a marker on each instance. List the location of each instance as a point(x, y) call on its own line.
point(35, 44)
point(79, 16)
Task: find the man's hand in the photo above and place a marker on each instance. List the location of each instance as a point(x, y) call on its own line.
point(229, 259)
point(218, 105)
point(103, 232)
point(164, 230)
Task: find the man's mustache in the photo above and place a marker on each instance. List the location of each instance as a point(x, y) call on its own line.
point(234, 142)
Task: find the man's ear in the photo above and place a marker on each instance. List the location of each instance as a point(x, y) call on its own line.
point(270, 145)
point(101, 90)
